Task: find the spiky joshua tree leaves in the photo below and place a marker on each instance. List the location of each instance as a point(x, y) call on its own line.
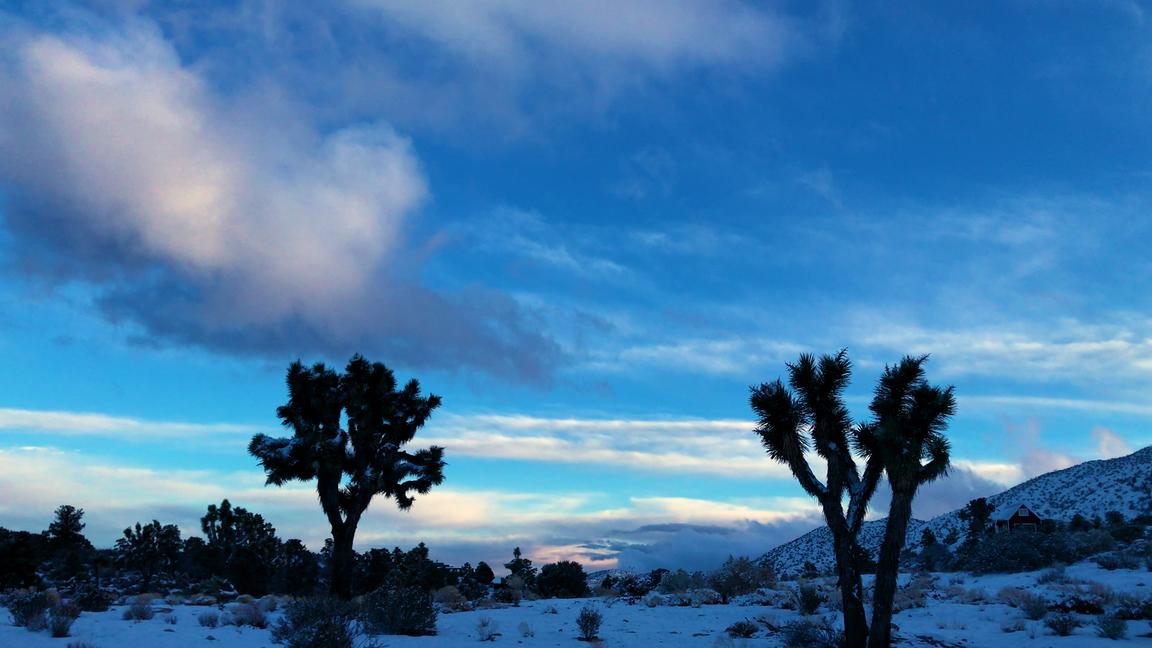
point(352, 465)
point(907, 436)
point(812, 416)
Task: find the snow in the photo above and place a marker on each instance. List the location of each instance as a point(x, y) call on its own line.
point(1090, 489)
point(944, 620)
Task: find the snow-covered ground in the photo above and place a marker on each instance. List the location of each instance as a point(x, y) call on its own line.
point(959, 610)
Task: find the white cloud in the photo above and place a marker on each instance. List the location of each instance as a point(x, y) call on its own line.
point(1110, 445)
point(121, 427)
point(649, 33)
point(133, 149)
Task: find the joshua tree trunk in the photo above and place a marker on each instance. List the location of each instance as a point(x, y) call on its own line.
point(888, 567)
point(851, 590)
point(343, 562)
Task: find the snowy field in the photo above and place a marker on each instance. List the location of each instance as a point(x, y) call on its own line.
point(959, 610)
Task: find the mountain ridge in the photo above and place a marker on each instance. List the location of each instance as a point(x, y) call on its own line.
point(1090, 488)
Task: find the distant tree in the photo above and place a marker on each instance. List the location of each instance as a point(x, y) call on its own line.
point(149, 549)
point(484, 573)
point(353, 465)
point(564, 579)
point(978, 516)
point(810, 415)
point(907, 435)
point(242, 546)
point(21, 554)
point(522, 568)
point(70, 550)
point(297, 569)
point(739, 575)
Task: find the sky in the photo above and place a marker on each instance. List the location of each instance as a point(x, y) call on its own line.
point(590, 227)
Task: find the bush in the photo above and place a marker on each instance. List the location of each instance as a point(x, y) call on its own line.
point(208, 619)
point(139, 610)
point(449, 597)
point(742, 629)
point(807, 633)
point(525, 630)
point(739, 576)
point(315, 622)
point(1062, 624)
point(91, 599)
point(399, 611)
point(807, 598)
point(61, 617)
point(28, 609)
point(1111, 626)
point(486, 629)
point(675, 582)
point(1029, 550)
point(249, 614)
point(1034, 606)
point(589, 623)
point(564, 579)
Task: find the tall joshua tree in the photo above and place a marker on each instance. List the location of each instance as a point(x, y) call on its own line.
point(812, 416)
point(353, 465)
point(907, 435)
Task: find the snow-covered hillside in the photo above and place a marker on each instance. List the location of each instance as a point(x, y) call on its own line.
point(1091, 489)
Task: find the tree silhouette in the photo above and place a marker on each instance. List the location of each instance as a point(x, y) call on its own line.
point(352, 465)
point(149, 549)
point(907, 435)
point(812, 416)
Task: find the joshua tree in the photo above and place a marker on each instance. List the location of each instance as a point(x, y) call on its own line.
point(812, 416)
point(907, 436)
point(353, 465)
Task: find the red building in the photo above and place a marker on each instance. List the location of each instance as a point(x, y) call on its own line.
point(1010, 518)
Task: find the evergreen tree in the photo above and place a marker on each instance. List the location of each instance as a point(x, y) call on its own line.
point(297, 569)
point(70, 550)
point(907, 435)
point(484, 573)
point(149, 549)
point(353, 465)
point(564, 579)
point(242, 546)
point(21, 554)
point(977, 514)
point(521, 568)
point(812, 416)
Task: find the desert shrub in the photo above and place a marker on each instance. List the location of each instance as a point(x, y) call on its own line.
point(314, 622)
point(739, 576)
point(652, 599)
point(399, 611)
point(1034, 606)
point(139, 610)
point(249, 614)
point(1111, 626)
point(1030, 550)
point(1130, 607)
point(27, 608)
point(1062, 624)
point(807, 598)
point(564, 579)
point(61, 617)
point(1057, 574)
point(449, 597)
point(808, 633)
point(1082, 601)
point(525, 630)
point(589, 623)
point(913, 595)
point(1015, 625)
point(675, 582)
point(742, 629)
point(1117, 560)
point(208, 619)
point(486, 629)
point(92, 599)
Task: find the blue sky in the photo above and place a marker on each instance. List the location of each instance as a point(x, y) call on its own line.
point(588, 226)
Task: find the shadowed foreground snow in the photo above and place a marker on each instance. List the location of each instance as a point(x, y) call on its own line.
point(944, 620)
